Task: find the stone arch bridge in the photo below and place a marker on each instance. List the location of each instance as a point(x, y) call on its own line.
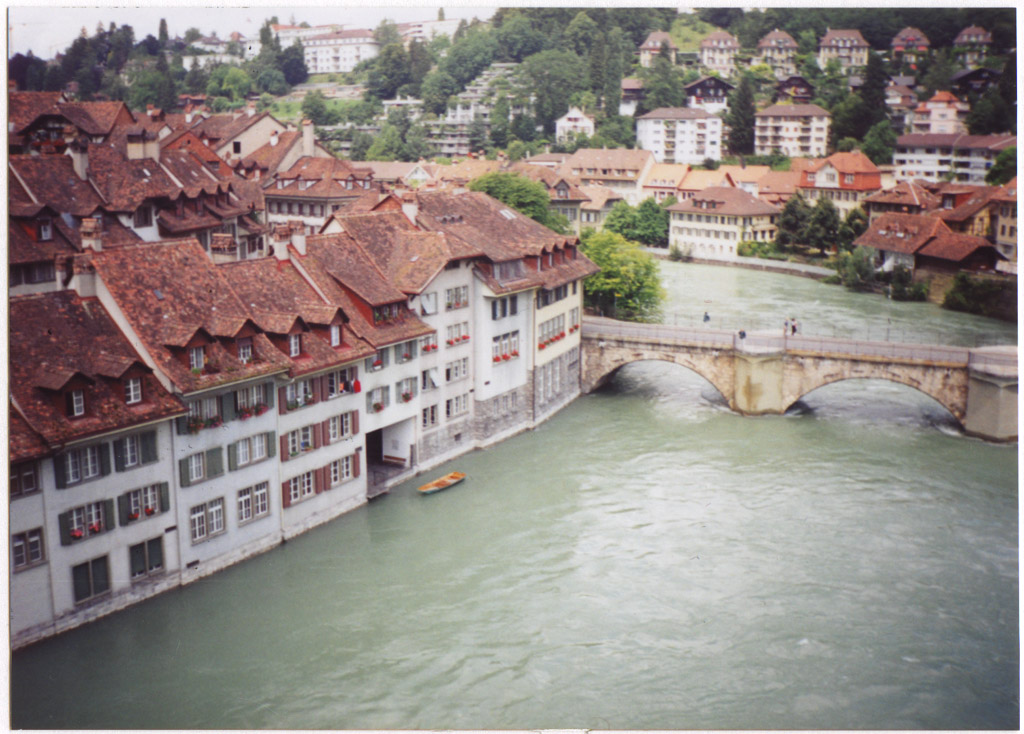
point(762, 373)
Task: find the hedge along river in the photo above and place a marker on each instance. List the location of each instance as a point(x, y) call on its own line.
point(645, 559)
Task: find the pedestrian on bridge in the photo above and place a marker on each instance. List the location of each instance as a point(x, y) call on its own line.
point(707, 318)
point(785, 327)
point(795, 325)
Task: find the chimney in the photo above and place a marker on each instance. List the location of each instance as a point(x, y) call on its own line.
point(136, 146)
point(251, 109)
point(91, 231)
point(308, 142)
point(410, 207)
point(79, 152)
point(273, 139)
point(280, 238)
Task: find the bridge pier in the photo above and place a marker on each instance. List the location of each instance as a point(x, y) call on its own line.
point(991, 398)
point(758, 383)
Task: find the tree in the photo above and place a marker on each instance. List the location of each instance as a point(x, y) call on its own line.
point(390, 71)
point(941, 68)
point(581, 33)
point(849, 118)
point(517, 39)
point(500, 123)
point(272, 82)
point(663, 86)
point(879, 143)
point(420, 63)
point(436, 89)
point(162, 33)
point(477, 134)
point(196, 79)
point(622, 220)
point(523, 195)
point(740, 117)
point(990, 114)
point(152, 87)
point(855, 224)
point(652, 223)
point(872, 91)
point(387, 33)
point(194, 34)
point(822, 230)
point(417, 143)
point(792, 222)
point(628, 285)
point(597, 62)
point(552, 77)
point(856, 269)
point(387, 146)
point(613, 72)
point(524, 127)
point(833, 86)
point(314, 108)
point(361, 143)
point(292, 63)
point(1004, 168)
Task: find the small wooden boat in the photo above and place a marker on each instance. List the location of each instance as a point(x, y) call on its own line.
point(448, 480)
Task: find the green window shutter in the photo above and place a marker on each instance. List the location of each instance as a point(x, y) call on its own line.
point(104, 459)
point(165, 497)
point(80, 581)
point(100, 575)
point(156, 552)
point(122, 509)
point(60, 465)
point(227, 407)
point(183, 472)
point(215, 462)
point(64, 523)
point(147, 447)
point(181, 425)
point(119, 454)
point(269, 389)
point(271, 444)
point(109, 519)
point(232, 456)
point(137, 558)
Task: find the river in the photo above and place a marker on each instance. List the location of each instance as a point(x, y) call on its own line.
point(645, 559)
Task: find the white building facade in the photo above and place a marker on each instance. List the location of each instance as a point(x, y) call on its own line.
point(680, 135)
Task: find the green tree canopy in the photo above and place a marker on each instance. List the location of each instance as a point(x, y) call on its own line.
point(1004, 168)
point(523, 195)
point(629, 283)
point(879, 143)
point(741, 117)
point(792, 222)
point(822, 230)
point(552, 77)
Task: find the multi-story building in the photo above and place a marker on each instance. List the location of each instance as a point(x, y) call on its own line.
point(338, 51)
point(621, 170)
point(574, 123)
point(778, 50)
point(315, 188)
point(943, 113)
point(680, 135)
point(718, 52)
point(289, 34)
point(651, 47)
point(910, 45)
point(846, 45)
point(711, 224)
point(566, 196)
point(93, 519)
point(933, 157)
point(708, 93)
point(1004, 225)
point(794, 130)
point(846, 179)
point(905, 197)
point(795, 90)
point(971, 45)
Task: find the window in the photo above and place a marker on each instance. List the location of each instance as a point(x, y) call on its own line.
point(206, 520)
point(133, 390)
point(45, 229)
point(377, 362)
point(201, 466)
point(90, 579)
point(143, 217)
point(204, 409)
point(249, 398)
point(340, 471)
point(429, 379)
point(298, 394)
point(24, 478)
point(196, 467)
point(294, 345)
point(130, 449)
point(248, 451)
point(430, 416)
point(253, 502)
point(505, 347)
point(429, 343)
point(456, 370)
point(457, 333)
point(335, 335)
point(340, 382)
point(27, 548)
point(428, 304)
point(82, 464)
point(405, 390)
point(245, 349)
point(574, 317)
point(76, 403)
point(459, 405)
point(146, 558)
point(196, 358)
point(144, 502)
point(456, 297)
point(405, 351)
point(301, 487)
point(301, 440)
point(340, 426)
point(378, 399)
point(385, 313)
point(236, 147)
point(87, 520)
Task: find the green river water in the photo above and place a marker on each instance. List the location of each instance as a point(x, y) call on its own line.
point(645, 559)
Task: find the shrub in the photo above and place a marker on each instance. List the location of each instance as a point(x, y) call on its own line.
point(856, 269)
point(902, 287)
point(973, 295)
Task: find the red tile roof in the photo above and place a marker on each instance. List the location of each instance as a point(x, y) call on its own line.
point(727, 200)
point(793, 110)
point(904, 233)
point(906, 193)
point(51, 179)
point(837, 37)
point(713, 39)
point(954, 246)
point(23, 444)
point(777, 39)
point(55, 336)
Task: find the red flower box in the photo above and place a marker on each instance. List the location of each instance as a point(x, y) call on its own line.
point(541, 345)
point(505, 357)
point(150, 510)
point(465, 337)
point(133, 516)
point(497, 358)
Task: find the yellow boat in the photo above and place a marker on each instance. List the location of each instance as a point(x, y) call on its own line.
point(448, 480)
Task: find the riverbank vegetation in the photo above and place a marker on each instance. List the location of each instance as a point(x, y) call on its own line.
point(629, 283)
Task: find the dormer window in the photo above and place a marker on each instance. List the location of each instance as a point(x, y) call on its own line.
point(245, 349)
point(294, 345)
point(143, 217)
point(45, 229)
point(196, 358)
point(335, 335)
point(76, 403)
point(133, 390)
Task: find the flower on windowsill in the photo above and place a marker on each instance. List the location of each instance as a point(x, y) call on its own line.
point(377, 363)
point(245, 413)
point(214, 422)
point(515, 352)
point(261, 408)
point(76, 534)
point(377, 407)
point(450, 342)
point(406, 356)
point(195, 425)
point(542, 345)
point(133, 515)
point(94, 528)
point(197, 371)
point(506, 357)
point(150, 510)
point(292, 404)
point(497, 358)
point(406, 396)
point(465, 337)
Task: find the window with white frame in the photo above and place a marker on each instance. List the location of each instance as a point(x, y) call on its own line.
point(298, 393)
point(196, 467)
point(429, 416)
point(405, 390)
point(506, 306)
point(457, 370)
point(301, 487)
point(552, 327)
point(457, 406)
point(82, 464)
point(574, 317)
point(133, 390)
point(24, 478)
point(339, 426)
point(456, 297)
point(253, 502)
point(457, 333)
point(130, 447)
point(294, 345)
point(76, 403)
point(27, 548)
point(250, 450)
point(245, 350)
point(405, 351)
point(340, 382)
point(430, 379)
point(206, 520)
point(248, 398)
point(204, 409)
point(196, 358)
point(378, 361)
point(505, 347)
point(378, 398)
point(143, 502)
point(301, 440)
point(340, 471)
point(335, 335)
point(429, 343)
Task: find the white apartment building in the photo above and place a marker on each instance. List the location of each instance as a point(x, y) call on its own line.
point(574, 122)
point(712, 223)
point(338, 51)
point(933, 157)
point(680, 135)
point(797, 130)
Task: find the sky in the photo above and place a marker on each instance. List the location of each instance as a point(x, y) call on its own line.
point(47, 29)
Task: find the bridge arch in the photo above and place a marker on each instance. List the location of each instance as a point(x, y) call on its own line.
point(903, 383)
